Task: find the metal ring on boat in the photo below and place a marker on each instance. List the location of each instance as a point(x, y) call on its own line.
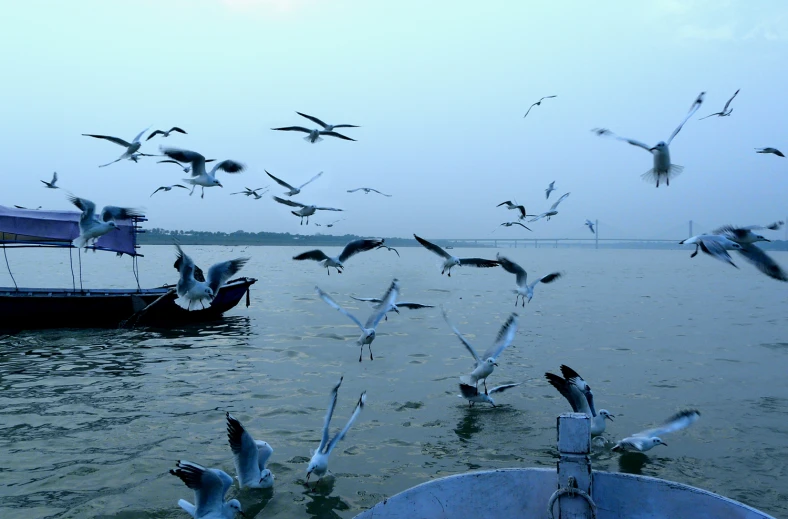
point(572, 490)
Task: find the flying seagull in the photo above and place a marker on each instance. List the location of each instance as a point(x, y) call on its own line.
point(395, 306)
point(590, 225)
point(165, 134)
point(384, 246)
point(509, 224)
point(327, 127)
point(367, 329)
point(366, 190)
point(774, 151)
point(210, 488)
point(249, 456)
point(201, 177)
point(471, 393)
point(186, 169)
point(549, 190)
point(485, 364)
point(662, 169)
point(191, 290)
point(293, 190)
point(725, 112)
point(91, 226)
point(650, 438)
point(306, 210)
point(167, 188)
point(131, 148)
point(26, 208)
point(338, 262)
point(314, 135)
point(746, 238)
point(318, 465)
point(51, 185)
point(713, 245)
point(248, 192)
point(523, 288)
point(450, 261)
point(578, 393)
point(340, 220)
point(552, 212)
point(510, 205)
point(538, 103)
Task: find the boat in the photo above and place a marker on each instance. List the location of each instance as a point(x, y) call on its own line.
point(574, 490)
point(24, 308)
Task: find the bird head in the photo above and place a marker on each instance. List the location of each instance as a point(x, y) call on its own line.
point(758, 237)
point(217, 183)
point(657, 441)
point(235, 506)
point(208, 292)
point(606, 414)
point(267, 477)
point(661, 146)
point(491, 361)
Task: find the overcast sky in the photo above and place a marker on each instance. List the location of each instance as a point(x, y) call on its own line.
point(439, 90)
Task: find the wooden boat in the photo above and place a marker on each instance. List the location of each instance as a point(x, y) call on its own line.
point(77, 307)
point(573, 491)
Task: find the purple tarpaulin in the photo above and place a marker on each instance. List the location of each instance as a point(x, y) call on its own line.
point(35, 226)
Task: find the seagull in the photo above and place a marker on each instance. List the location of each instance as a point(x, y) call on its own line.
point(210, 487)
point(725, 112)
point(314, 135)
point(395, 306)
point(191, 289)
point(538, 103)
point(167, 188)
point(488, 361)
point(186, 169)
point(200, 177)
point(552, 212)
point(744, 237)
point(450, 261)
point(384, 246)
point(318, 465)
point(368, 329)
point(51, 185)
point(92, 227)
point(249, 456)
point(650, 438)
point(325, 126)
point(510, 205)
point(338, 262)
point(248, 191)
point(509, 224)
point(471, 393)
point(28, 209)
point(578, 393)
point(366, 190)
point(131, 148)
point(661, 153)
point(713, 245)
point(165, 134)
point(549, 190)
point(337, 221)
point(523, 288)
point(293, 190)
point(590, 225)
point(774, 151)
point(306, 210)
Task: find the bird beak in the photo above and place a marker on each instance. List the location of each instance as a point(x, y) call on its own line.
point(663, 443)
point(240, 512)
point(609, 417)
point(495, 363)
point(652, 149)
point(220, 185)
point(767, 240)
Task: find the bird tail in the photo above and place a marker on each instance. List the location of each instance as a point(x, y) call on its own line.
point(308, 138)
point(468, 380)
point(80, 241)
point(653, 176)
point(191, 304)
point(295, 213)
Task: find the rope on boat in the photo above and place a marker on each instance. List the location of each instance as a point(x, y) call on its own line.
point(9, 269)
point(135, 268)
point(79, 255)
point(572, 490)
point(71, 263)
point(131, 321)
point(247, 296)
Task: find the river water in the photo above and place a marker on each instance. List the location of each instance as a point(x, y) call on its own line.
point(92, 420)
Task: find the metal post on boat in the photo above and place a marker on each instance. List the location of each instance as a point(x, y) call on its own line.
point(574, 469)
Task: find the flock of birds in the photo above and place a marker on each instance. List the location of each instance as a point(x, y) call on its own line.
point(194, 290)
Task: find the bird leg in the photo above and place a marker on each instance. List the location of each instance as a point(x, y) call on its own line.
point(370, 351)
point(485, 386)
point(361, 352)
point(203, 193)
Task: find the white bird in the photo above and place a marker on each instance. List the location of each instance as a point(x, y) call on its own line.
point(450, 261)
point(292, 190)
point(201, 177)
point(773, 151)
point(472, 395)
point(538, 103)
point(744, 237)
point(314, 135)
point(650, 438)
point(523, 288)
point(713, 245)
point(131, 147)
point(193, 288)
point(165, 133)
point(509, 224)
point(210, 487)
point(249, 192)
point(318, 465)
point(725, 112)
point(249, 456)
point(662, 169)
point(366, 190)
point(514, 206)
point(92, 227)
point(549, 190)
point(51, 185)
point(338, 262)
point(488, 361)
point(306, 210)
point(325, 126)
point(395, 306)
point(368, 332)
point(552, 212)
point(590, 225)
point(578, 393)
point(167, 188)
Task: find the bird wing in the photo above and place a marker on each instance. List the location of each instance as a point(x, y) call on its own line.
point(413, 306)
point(513, 268)
point(346, 126)
point(137, 138)
point(291, 203)
point(763, 262)
point(356, 246)
point(633, 142)
point(388, 301)
point(507, 203)
point(432, 247)
point(575, 398)
point(264, 452)
point(54, 178)
point(313, 119)
point(293, 129)
point(111, 212)
point(335, 134)
point(378, 192)
point(327, 298)
point(311, 180)
point(368, 299)
point(676, 422)
point(539, 217)
point(694, 108)
point(328, 209)
point(725, 109)
point(529, 110)
point(716, 249)
point(187, 270)
point(87, 207)
point(359, 406)
point(504, 339)
point(154, 134)
point(228, 166)
point(192, 157)
point(279, 181)
point(354, 190)
point(316, 255)
point(478, 262)
point(162, 187)
point(116, 140)
point(503, 387)
point(329, 413)
point(244, 449)
point(555, 205)
point(219, 273)
point(468, 391)
point(169, 161)
point(208, 484)
point(462, 339)
point(580, 387)
point(179, 130)
point(549, 278)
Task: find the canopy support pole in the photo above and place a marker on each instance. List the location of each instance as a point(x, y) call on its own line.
point(9, 268)
point(71, 263)
point(79, 255)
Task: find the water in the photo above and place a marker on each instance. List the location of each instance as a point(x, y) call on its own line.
point(91, 421)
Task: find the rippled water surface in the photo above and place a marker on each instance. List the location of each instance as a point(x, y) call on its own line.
point(92, 420)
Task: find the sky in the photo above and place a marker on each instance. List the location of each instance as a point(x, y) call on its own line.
point(438, 89)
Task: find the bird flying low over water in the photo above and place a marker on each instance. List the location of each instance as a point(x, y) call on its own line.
point(51, 185)
point(579, 395)
point(327, 127)
point(713, 245)
point(91, 226)
point(395, 306)
point(291, 189)
point(538, 103)
point(773, 151)
point(510, 205)
point(165, 133)
point(131, 147)
point(523, 288)
point(210, 488)
point(249, 192)
point(450, 261)
point(662, 169)
point(471, 393)
point(350, 250)
point(193, 288)
point(305, 210)
point(650, 438)
point(509, 224)
point(366, 190)
point(725, 112)
point(249, 456)
point(552, 212)
point(549, 190)
point(590, 225)
point(167, 188)
point(314, 134)
point(201, 177)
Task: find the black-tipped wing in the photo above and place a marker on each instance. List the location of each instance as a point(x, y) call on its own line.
point(387, 301)
point(291, 203)
point(111, 212)
point(505, 337)
point(335, 134)
point(315, 255)
point(116, 140)
point(763, 262)
point(725, 108)
point(413, 306)
point(329, 413)
point(293, 129)
point(279, 181)
point(503, 387)
point(244, 449)
point(478, 262)
point(87, 207)
point(219, 274)
point(154, 134)
point(356, 246)
point(678, 421)
point(432, 247)
point(694, 108)
point(468, 391)
point(229, 166)
point(555, 205)
point(549, 278)
point(513, 268)
point(313, 119)
point(209, 485)
point(580, 386)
